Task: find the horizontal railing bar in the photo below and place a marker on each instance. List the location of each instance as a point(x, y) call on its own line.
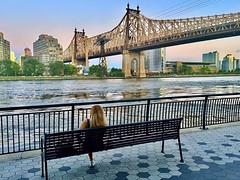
point(111, 101)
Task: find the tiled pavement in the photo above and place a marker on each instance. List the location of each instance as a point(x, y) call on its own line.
point(208, 154)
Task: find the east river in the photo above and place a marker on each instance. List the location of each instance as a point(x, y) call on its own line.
point(19, 93)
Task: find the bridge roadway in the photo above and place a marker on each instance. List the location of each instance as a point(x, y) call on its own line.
point(169, 43)
point(208, 154)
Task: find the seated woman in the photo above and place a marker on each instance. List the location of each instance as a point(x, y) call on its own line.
point(97, 119)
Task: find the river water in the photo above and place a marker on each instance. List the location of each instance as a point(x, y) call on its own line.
point(19, 93)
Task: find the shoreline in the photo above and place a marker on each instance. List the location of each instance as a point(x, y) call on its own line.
point(34, 78)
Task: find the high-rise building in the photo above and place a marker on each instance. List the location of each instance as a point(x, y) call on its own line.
point(4, 48)
point(20, 59)
point(237, 63)
point(12, 56)
point(47, 46)
point(27, 56)
point(27, 52)
point(211, 57)
point(47, 50)
point(155, 60)
point(228, 63)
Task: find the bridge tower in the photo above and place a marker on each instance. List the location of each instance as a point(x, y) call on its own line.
point(101, 41)
point(130, 56)
point(80, 36)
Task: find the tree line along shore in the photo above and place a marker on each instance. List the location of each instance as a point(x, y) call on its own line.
point(35, 78)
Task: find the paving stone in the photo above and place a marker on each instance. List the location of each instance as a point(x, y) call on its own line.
point(132, 177)
point(143, 175)
point(211, 154)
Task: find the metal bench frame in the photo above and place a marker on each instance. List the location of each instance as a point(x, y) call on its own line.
point(77, 142)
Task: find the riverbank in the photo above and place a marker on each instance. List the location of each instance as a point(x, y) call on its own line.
point(36, 78)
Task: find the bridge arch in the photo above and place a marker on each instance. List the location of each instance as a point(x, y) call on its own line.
point(128, 58)
point(134, 64)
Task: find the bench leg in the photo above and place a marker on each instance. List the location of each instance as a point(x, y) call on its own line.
point(180, 150)
point(42, 166)
point(162, 151)
point(46, 170)
point(42, 161)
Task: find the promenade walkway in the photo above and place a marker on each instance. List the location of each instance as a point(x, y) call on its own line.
point(208, 154)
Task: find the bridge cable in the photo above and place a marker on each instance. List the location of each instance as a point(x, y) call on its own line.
point(169, 8)
point(196, 6)
point(184, 6)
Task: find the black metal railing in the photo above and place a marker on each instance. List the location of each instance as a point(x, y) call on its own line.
point(22, 127)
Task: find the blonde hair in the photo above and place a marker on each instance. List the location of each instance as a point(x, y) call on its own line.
point(97, 117)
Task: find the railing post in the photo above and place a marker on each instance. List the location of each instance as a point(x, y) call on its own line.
point(148, 110)
point(204, 113)
point(72, 118)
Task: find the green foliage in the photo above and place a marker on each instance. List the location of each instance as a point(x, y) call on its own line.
point(33, 67)
point(69, 69)
point(185, 70)
point(98, 70)
point(237, 71)
point(221, 71)
point(205, 70)
point(116, 73)
point(9, 68)
point(56, 68)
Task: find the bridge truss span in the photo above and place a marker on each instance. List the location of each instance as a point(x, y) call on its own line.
point(136, 32)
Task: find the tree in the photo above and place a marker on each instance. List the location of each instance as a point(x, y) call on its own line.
point(33, 67)
point(98, 70)
point(9, 68)
point(205, 70)
point(222, 71)
point(185, 69)
point(69, 69)
point(237, 71)
point(56, 68)
point(116, 73)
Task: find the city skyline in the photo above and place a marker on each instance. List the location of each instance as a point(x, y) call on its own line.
point(27, 20)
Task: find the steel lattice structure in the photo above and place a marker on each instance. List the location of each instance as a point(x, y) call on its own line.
point(135, 32)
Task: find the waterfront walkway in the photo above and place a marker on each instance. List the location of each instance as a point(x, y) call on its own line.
point(208, 154)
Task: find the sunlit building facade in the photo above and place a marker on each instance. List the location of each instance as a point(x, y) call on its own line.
point(228, 63)
point(155, 60)
point(212, 58)
point(4, 48)
point(47, 46)
point(12, 56)
point(47, 50)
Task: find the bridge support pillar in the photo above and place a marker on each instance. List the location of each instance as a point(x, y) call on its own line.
point(133, 64)
point(141, 66)
point(126, 65)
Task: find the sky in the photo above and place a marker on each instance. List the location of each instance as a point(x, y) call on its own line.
point(22, 21)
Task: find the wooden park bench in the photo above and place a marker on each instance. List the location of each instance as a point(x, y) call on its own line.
point(77, 142)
